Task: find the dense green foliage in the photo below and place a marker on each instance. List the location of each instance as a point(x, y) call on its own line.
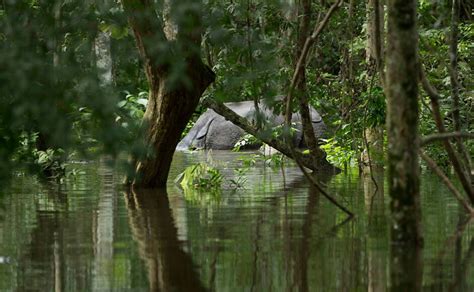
point(52, 96)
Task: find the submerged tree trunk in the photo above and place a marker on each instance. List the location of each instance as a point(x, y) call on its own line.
point(298, 82)
point(171, 101)
point(406, 266)
point(402, 121)
point(167, 114)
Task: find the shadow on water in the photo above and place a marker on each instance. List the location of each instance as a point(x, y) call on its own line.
point(153, 228)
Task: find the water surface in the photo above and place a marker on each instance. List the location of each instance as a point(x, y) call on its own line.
point(276, 234)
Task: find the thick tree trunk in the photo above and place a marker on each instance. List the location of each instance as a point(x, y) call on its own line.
point(171, 102)
point(402, 121)
point(169, 110)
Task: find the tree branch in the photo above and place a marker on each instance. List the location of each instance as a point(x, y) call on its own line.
point(301, 160)
point(454, 77)
point(453, 157)
point(243, 123)
point(442, 136)
point(435, 168)
point(318, 186)
point(304, 54)
point(149, 34)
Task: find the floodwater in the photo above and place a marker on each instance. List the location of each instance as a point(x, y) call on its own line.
point(275, 234)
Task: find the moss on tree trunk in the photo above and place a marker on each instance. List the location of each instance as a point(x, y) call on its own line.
point(402, 121)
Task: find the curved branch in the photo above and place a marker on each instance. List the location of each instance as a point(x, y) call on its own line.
point(443, 136)
point(435, 168)
point(304, 54)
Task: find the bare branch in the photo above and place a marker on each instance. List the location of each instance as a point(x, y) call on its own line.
point(442, 136)
point(319, 187)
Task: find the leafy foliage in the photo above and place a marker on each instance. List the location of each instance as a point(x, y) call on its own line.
point(200, 176)
point(50, 84)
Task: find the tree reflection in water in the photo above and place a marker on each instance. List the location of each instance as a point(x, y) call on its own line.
point(153, 228)
point(377, 229)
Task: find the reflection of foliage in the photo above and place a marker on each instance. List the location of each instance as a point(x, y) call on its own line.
point(272, 160)
point(200, 196)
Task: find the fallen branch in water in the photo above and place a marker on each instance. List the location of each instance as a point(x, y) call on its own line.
point(285, 145)
point(320, 188)
point(437, 170)
point(442, 136)
point(279, 145)
point(301, 160)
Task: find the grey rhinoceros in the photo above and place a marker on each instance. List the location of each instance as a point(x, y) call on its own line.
point(213, 131)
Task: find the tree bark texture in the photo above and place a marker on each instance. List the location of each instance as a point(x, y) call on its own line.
point(171, 101)
point(402, 122)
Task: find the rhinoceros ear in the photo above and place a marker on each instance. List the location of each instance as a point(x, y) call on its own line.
point(202, 133)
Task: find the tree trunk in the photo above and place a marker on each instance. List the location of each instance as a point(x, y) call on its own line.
point(168, 111)
point(301, 89)
point(372, 155)
point(103, 58)
point(171, 101)
point(402, 121)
